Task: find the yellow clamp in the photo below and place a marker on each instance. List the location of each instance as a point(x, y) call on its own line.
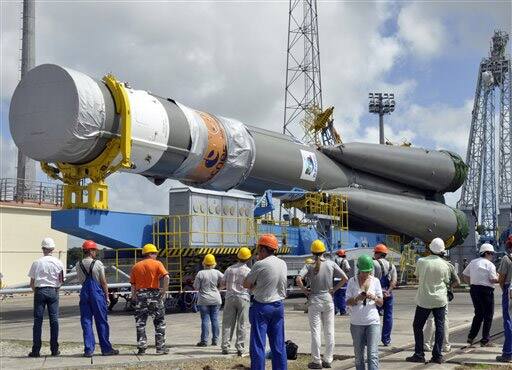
point(95, 194)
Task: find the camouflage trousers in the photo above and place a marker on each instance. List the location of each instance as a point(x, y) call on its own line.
point(149, 303)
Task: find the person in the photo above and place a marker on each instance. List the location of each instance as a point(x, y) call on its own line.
point(90, 273)
point(267, 282)
point(429, 331)
point(481, 275)
point(385, 271)
point(364, 295)
point(340, 305)
point(307, 261)
point(148, 295)
point(432, 297)
point(236, 306)
point(321, 275)
point(46, 276)
point(505, 276)
point(207, 282)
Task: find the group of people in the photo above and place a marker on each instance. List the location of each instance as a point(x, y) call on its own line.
point(256, 295)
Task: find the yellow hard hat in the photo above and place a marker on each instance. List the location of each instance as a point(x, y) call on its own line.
point(149, 248)
point(309, 261)
point(317, 246)
point(209, 260)
point(244, 254)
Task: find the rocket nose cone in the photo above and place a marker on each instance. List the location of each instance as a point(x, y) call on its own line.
point(56, 114)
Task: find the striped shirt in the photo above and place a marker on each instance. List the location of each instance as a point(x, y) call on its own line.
point(234, 277)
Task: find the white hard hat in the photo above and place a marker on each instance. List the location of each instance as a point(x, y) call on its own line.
point(48, 243)
point(486, 247)
point(437, 246)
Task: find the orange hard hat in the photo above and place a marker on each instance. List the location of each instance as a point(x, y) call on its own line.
point(89, 245)
point(269, 240)
point(341, 253)
point(380, 248)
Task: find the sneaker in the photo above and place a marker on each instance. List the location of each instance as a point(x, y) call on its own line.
point(87, 354)
point(314, 365)
point(447, 348)
point(55, 353)
point(112, 352)
point(225, 352)
point(141, 351)
point(326, 365)
point(385, 344)
point(162, 351)
point(201, 344)
point(33, 354)
point(437, 360)
point(487, 344)
point(415, 358)
point(503, 358)
point(470, 341)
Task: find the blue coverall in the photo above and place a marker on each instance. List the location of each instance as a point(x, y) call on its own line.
point(387, 307)
point(340, 304)
point(507, 323)
point(93, 304)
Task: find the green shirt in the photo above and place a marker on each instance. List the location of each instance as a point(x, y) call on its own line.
point(434, 275)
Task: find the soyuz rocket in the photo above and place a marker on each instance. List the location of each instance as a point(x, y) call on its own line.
point(61, 115)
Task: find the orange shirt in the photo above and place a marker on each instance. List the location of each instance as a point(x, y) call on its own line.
point(147, 273)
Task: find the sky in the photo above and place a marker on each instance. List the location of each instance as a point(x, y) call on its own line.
point(229, 58)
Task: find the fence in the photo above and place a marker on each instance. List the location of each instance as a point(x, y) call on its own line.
point(25, 191)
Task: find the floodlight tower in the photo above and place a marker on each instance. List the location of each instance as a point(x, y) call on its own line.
point(488, 187)
point(381, 104)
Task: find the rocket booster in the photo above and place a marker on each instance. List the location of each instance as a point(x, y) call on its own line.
point(61, 115)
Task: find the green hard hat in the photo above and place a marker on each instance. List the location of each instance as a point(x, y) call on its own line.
point(365, 263)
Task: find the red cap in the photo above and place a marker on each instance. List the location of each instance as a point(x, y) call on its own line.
point(89, 245)
point(341, 253)
point(380, 248)
point(269, 240)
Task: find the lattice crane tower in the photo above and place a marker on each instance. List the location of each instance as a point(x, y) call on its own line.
point(304, 117)
point(488, 187)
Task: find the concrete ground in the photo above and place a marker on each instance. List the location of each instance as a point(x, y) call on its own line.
point(183, 333)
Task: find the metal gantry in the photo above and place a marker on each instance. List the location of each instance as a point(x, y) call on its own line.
point(488, 187)
point(303, 91)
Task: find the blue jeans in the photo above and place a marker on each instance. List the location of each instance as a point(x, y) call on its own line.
point(209, 315)
point(507, 324)
point(366, 335)
point(43, 297)
point(340, 305)
point(267, 319)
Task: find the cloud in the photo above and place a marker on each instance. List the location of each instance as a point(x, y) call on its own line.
point(8, 157)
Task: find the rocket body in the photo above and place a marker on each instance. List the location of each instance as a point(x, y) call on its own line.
point(61, 115)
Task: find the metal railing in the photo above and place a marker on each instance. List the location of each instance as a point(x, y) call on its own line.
point(25, 191)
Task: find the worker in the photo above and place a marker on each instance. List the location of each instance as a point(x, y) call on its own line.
point(236, 305)
point(321, 275)
point(307, 261)
point(340, 305)
point(267, 282)
point(428, 332)
point(207, 282)
point(505, 276)
point(385, 271)
point(150, 283)
point(481, 275)
point(46, 276)
point(93, 301)
point(432, 297)
point(364, 295)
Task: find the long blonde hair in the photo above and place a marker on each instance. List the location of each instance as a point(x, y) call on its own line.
point(318, 262)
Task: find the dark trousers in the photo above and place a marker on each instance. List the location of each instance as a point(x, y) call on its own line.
point(46, 297)
point(420, 318)
point(483, 302)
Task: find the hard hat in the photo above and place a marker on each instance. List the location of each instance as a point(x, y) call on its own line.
point(380, 248)
point(209, 260)
point(48, 243)
point(244, 254)
point(341, 253)
point(89, 245)
point(269, 240)
point(317, 246)
point(437, 246)
point(149, 248)
point(309, 261)
point(486, 247)
point(365, 263)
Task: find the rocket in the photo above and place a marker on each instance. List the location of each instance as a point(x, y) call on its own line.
point(61, 115)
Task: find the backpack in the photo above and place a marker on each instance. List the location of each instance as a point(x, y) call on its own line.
point(291, 350)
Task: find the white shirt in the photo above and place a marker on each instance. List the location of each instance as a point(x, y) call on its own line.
point(480, 272)
point(361, 314)
point(234, 277)
point(46, 272)
point(269, 277)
